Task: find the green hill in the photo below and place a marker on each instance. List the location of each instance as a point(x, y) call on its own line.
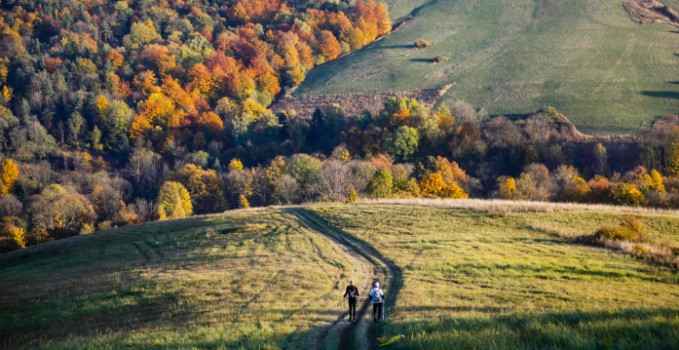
point(461, 274)
point(587, 58)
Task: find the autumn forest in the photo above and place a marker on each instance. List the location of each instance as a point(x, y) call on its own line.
point(122, 112)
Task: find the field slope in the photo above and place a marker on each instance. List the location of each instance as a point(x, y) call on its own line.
point(587, 58)
point(486, 275)
point(243, 280)
point(505, 277)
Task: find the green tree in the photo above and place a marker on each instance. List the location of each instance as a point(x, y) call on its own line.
point(141, 33)
point(382, 184)
point(404, 142)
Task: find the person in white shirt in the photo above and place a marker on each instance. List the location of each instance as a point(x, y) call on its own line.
point(377, 300)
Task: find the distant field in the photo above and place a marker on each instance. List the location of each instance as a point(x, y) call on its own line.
point(477, 279)
point(585, 57)
point(248, 280)
point(481, 274)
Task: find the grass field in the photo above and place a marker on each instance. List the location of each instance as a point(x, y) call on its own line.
point(585, 57)
point(245, 280)
point(481, 275)
point(483, 279)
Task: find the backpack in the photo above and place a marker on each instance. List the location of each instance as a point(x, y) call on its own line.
point(376, 295)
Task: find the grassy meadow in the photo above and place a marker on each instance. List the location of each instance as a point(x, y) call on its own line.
point(476, 278)
point(585, 57)
point(243, 280)
point(465, 274)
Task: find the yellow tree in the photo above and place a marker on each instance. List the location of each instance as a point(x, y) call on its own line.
point(657, 181)
point(9, 173)
point(236, 165)
point(329, 46)
point(16, 233)
point(506, 187)
point(432, 184)
point(204, 186)
point(435, 184)
point(174, 201)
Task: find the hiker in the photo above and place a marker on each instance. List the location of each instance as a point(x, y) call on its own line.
point(351, 294)
point(377, 300)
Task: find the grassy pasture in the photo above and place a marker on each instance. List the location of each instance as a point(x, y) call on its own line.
point(488, 279)
point(471, 274)
point(243, 280)
point(585, 57)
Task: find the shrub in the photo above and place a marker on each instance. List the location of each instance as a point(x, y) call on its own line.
point(15, 235)
point(243, 202)
point(439, 59)
point(629, 229)
point(628, 194)
point(422, 43)
point(353, 196)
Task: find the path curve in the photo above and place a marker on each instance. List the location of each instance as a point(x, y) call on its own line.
point(362, 334)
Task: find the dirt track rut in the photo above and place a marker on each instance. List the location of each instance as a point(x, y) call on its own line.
point(362, 334)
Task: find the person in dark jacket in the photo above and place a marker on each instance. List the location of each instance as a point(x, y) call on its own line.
point(351, 293)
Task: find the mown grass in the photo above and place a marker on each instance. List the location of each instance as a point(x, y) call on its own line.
point(512, 279)
point(243, 280)
point(585, 57)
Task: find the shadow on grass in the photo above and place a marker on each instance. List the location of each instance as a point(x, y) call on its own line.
point(396, 46)
point(91, 291)
point(424, 60)
point(616, 329)
point(661, 94)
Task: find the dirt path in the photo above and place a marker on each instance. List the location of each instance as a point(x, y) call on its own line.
point(362, 334)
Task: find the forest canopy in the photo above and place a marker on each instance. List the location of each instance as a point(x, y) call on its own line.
point(176, 75)
point(121, 112)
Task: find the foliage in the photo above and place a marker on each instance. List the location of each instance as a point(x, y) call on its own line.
point(403, 144)
point(629, 229)
point(506, 187)
point(236, 165)
point(59, 211)
point(15, 234)
point(382, 184)
point(243, 201)
point(9, 173)
point(627, 193)
point(204, 186)
point(435, 184)
point(174, 201)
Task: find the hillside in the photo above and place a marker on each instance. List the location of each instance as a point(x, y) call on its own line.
point(467, 274)
point(243, 280)
point(587, 58)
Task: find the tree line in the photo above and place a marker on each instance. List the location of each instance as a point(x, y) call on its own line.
point(409, 149)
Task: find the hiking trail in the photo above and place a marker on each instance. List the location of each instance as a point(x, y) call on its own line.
point(362, 334)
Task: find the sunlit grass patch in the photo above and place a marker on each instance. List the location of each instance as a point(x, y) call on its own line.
point(474, 278)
